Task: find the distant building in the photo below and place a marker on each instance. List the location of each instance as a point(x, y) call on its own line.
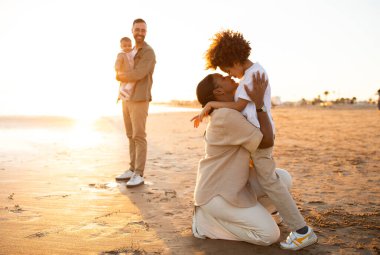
point(276, 101)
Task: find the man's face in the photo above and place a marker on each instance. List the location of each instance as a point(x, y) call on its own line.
point(139, 32)
point(236, 70)
point(225, 83)
point(126, 46)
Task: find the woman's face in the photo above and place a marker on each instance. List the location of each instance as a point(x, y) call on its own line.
point(225, 82)
point(236, 70)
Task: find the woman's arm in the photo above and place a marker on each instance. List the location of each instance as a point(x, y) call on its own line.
point(257, 96)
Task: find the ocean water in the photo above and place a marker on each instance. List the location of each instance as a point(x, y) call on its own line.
point(155, 108)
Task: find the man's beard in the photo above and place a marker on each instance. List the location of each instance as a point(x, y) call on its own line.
point(139, 38)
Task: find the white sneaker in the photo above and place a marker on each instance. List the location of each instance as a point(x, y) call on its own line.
point(135, 180)
point(297, 241)
point(125, 176)
point(277, 218)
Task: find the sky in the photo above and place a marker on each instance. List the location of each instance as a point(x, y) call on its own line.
point(57, 56)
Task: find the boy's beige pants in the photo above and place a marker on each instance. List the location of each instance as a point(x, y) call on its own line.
point(275, 189)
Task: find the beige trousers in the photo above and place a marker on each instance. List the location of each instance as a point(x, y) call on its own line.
point(278, 193)
point(218, 219)
point(135, 115)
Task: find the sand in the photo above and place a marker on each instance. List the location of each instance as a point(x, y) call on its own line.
point(58, 194)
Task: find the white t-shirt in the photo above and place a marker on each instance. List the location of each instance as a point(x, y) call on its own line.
point(250, 110)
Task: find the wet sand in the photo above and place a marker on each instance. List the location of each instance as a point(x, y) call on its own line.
point(58, 194)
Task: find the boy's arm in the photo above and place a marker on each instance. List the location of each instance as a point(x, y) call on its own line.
point(148, 60)
point(239, 106)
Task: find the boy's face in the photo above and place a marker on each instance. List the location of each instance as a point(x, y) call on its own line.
point(126, 46)
point(236, 70)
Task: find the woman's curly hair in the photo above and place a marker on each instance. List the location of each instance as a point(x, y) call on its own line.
point(227, 47)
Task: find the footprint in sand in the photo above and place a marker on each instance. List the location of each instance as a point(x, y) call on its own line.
point(38, 235)
point(16, 209)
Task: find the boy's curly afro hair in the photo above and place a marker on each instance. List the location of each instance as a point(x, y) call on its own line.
point(227, 47)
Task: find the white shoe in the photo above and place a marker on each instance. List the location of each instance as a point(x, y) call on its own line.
point(135, 180)
point(125, 176)
point(297, 241)
point(277, 218)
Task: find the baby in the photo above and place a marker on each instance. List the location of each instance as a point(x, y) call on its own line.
point(124, 63)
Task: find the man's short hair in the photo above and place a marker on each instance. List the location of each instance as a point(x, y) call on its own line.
point(205, 90)
point(127, 39)
point(138, 21)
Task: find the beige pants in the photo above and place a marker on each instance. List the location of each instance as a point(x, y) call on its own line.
point(218, 219)
point(275, 189)
point(135, 115)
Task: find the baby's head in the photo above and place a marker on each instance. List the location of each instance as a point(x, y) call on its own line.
point(126, 44)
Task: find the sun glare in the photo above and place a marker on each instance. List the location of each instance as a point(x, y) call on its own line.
point(83, 134)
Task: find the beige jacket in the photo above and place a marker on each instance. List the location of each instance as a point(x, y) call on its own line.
point(142, 74)
point(225, 169)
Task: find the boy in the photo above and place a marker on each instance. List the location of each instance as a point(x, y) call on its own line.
point(230, 51)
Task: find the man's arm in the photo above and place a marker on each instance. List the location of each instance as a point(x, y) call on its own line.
point(140, 70)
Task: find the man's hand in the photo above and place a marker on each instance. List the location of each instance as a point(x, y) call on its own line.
point(121, 77)
point(260, 84)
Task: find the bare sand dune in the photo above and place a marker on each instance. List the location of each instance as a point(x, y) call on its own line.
point(58, 194)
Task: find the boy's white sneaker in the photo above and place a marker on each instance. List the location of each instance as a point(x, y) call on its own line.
point(297, 241)
point(125, 176)
point(135, 180)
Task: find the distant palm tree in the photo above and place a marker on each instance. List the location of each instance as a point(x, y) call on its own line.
point(326, 94)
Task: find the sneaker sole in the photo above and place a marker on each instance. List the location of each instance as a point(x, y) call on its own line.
point(131, 186)
point(122, 179)
point(301, 247)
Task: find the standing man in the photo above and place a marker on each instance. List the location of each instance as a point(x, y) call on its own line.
point(135, 111)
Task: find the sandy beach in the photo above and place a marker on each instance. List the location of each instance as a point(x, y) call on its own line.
point(58, 194)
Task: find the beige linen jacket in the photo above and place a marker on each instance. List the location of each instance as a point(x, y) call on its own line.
point(142, 74)
point(224, 171)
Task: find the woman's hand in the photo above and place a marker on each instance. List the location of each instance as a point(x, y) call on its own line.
point(260, 84)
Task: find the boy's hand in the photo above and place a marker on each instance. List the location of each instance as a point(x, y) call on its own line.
point(198, 119)
point(260, 84)
point(205, 111)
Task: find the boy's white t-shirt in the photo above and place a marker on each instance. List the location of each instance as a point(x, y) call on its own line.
point(250, 110)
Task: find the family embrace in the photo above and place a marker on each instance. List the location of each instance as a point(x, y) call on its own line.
point(239, 193)
point(233, 200)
